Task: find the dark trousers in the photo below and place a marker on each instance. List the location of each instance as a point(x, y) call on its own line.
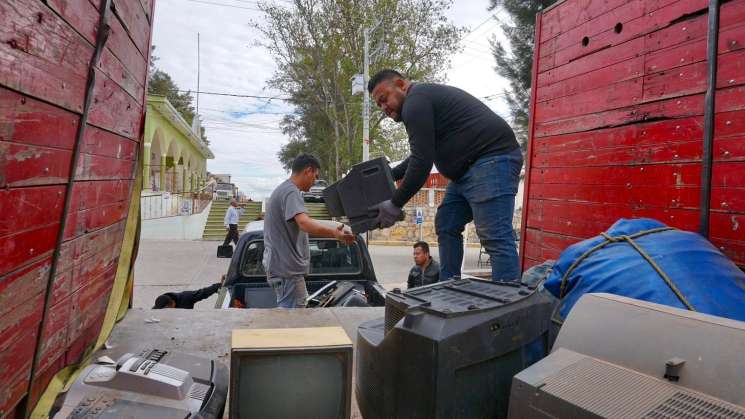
point(232, 235)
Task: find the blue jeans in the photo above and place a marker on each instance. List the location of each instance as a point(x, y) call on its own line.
point(486, 195)
point(291, 292)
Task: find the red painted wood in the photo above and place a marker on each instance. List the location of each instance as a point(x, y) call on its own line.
point(635, 28)
point(625, 70)
point(49, 54)
point(531, 137)
point(15, 368)
point(124, 49)
point(573, 13)
point(29, 165)
point(29, 121)
point(607, 97)
point(591, 62)
point(134, 21)
point(20, 248)
point(113, 109)
point(40, 206)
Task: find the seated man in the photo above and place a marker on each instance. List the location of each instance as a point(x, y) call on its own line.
point(185, 299)
point(426, 270)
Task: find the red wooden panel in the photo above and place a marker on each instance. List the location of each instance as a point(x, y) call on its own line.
point(54, 336)
point(116, 71)
point(91, 219)
point(103, 143)
point(125, 50)
point(78, 347)
point(624, 13)
point(113, 109)
point(18, 249)
point(39, 206)
point(649, 133)
point(30, 121)
point(135, 22)
point(573, 13)
point(649, 175)
point(625, 70)
point(734, 249)
point(25, 282)
point(82, 16)
point(671, 108)
point(591, 62)
point(15, 369)
point(646, 23)
point(731, 14)
point(147, 6)
point(30, 165)
point(91, 167)
point(612, 96)
point(692, 78)
point(92, 194)
point(42, 55)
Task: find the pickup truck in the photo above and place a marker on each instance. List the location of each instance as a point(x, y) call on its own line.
point(340, 275)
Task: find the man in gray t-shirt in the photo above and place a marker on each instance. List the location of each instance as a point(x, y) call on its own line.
point(286, 229)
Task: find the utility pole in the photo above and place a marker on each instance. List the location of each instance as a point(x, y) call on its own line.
point(366, 98)
point(199, 62)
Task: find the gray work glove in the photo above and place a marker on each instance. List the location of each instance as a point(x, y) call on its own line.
point(388, 214)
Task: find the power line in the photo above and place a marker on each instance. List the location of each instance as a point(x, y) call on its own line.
point(225, 5)
point(233, 94)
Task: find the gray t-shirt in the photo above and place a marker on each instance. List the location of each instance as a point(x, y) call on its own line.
point(286, 248)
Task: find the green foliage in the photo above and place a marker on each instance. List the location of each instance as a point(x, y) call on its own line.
point(318, 47)
point(515, 61)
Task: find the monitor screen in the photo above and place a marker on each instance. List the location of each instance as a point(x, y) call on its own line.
point(290, 385)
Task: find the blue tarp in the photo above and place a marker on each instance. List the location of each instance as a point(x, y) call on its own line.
point(707, 279)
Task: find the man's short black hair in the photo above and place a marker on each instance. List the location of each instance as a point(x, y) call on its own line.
point(304, 161)
point(382, 75)
point(162, 301)
point(422, 245)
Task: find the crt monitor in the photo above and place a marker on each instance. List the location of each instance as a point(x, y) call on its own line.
point(449, 350)
point(291, 373)
point(618, 357)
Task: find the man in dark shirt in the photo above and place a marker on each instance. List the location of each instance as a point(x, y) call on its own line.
point(426, 270)
point(185, 299)
point(471, 146)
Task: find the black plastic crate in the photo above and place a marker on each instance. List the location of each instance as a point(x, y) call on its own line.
point(367, 184)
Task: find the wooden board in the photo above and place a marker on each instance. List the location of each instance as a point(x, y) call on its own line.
point(46, 48)
point(617, 124)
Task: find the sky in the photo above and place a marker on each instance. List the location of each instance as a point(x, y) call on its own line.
point(244, 132)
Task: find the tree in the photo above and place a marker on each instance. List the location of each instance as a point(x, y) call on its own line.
point(318, 47)
point(161, 83)
point(516, 63)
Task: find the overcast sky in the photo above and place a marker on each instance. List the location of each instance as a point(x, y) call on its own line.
point(244, 133)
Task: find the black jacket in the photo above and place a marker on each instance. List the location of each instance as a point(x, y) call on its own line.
point(417, 278)
point(450, 128)
point(187, 299)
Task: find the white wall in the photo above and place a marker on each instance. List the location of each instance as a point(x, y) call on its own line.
point(183, 227)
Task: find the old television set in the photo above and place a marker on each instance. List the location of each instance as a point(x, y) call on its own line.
point(617, 357)
point(291, 373)
point(367, 184)
point(449, 350)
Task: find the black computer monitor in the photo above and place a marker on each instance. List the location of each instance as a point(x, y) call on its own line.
point(449, 350)
point(291, 373)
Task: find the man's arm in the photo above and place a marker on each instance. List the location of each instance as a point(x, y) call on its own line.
point(201, 294)
point(314, 228)
point(399, 171)
point(420, 126)
point(227, 216)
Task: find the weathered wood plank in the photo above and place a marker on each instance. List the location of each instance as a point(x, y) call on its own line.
point(573, 13)
point(83, 221)
point(135, 22)
point(625, 70)
point(21, 248)
point(28, 121)
point(609, 96)
point(15, 369)
point(113, 109)
point(30, 165)
point(633, 29)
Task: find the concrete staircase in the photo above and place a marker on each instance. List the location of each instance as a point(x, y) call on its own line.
point(214, 229)
point(317, 210)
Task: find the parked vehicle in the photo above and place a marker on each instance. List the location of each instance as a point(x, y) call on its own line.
point(224, 191)
point(340, 275)
point(315, 194)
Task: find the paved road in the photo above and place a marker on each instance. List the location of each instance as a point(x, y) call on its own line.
point(177, 265)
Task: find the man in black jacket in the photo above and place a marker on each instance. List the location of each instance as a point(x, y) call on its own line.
point(185, 299)
point(471, 146)
point(425, 270)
